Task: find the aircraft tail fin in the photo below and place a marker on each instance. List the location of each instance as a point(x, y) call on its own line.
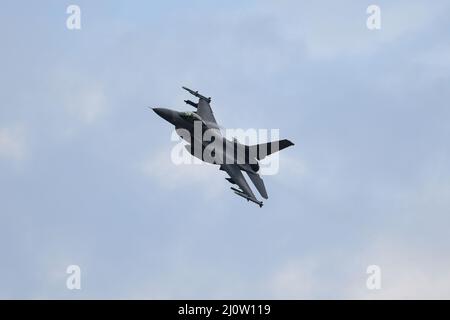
point(262, 150)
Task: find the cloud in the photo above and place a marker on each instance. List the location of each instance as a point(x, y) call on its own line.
point(81, 95)
point(341, 29)
point(87, 103)
point(294, 280)
point(161, 169)
point(290, 166)
point(436, 63)
point(12, 143)
point(353, 186)
point(406, 272)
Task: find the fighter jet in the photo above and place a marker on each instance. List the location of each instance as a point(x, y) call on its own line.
point(231, 156)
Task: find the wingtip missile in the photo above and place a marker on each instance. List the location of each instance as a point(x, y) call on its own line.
point(196, 94)
point(188, 90)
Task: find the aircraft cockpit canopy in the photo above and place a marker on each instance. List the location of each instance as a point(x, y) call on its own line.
point(191, 116)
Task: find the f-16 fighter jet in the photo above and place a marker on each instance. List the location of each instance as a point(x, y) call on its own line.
point(206, 142)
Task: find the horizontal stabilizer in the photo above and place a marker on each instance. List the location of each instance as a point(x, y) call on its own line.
point(262, 150)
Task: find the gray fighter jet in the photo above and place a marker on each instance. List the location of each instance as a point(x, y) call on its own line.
point(206, 142)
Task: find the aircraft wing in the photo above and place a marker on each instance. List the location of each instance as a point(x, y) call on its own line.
point(236, 177)
point(260, 151)
point(205, 112)
point(259, 183)
point(203, 108)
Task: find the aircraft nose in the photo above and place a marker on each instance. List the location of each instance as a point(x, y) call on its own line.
point(166, 114)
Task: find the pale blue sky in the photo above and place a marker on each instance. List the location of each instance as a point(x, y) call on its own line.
point(85, 168)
